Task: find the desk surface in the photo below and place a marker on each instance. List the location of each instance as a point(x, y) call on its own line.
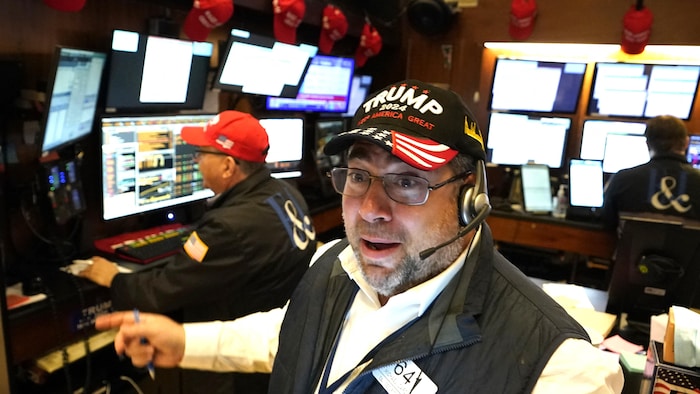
point(595, 319)
point(539, 231)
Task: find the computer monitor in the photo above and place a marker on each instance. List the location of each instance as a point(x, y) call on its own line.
point(537, 188)
point(586, 183)
point(643, 90)
point(536, 86)
point(515, 139)
point(259, 65)
point(693, 154)
point(655, 267)
point(151, 73)
point(286, 136)
point(596, 131)
point(147, 167)
point(359, 89)
point(72, 96)
point(624, 151)
point(325, 87)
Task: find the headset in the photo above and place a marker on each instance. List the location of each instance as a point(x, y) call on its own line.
point(473, 207)
point(473, 200)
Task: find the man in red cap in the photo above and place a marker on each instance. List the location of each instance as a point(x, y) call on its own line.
point(246, 254)
point(288, 15)
point(205, 16)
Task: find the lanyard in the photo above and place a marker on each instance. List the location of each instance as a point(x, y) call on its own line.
point(324, 388)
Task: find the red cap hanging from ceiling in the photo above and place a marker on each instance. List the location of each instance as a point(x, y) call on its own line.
point(522, 18)
point(636, 28)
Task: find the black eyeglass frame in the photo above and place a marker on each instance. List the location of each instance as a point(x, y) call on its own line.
point(428, 187)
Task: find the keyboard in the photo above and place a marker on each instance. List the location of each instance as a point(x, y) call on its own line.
point(147, 246)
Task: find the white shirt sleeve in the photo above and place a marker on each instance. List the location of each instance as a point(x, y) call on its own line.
point(577, 367)
point(247, 344)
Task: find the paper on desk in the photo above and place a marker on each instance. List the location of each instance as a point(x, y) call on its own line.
point(619, 345)
point(568, 295)
point(15, 298)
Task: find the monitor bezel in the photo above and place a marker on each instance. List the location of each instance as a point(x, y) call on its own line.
point(311, 102)
point(50, 98)
point(260, 41)
point(591, 106)
point(579, 90)
point(562, 152)
point(155, 210)
point(296, 167)
point(197, 84)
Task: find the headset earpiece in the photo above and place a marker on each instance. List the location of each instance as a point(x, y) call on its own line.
point(472, 199)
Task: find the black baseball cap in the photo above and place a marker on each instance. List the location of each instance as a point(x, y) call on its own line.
point(424, 125)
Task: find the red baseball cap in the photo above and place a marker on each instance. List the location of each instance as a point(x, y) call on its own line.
point(288, 16)
point(206, 15)
point(370, 44)
point(66, 5)
point(334, 26)
point(235, 133)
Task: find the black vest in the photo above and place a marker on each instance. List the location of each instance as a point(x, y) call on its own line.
point(490, 330)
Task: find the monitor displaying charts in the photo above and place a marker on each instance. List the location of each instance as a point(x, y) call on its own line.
point(643, 90)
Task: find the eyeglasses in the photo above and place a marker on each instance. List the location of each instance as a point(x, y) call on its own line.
point(404, 189)
point(199, 152)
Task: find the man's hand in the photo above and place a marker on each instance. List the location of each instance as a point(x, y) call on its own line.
point(165, 339)
point(101, 271)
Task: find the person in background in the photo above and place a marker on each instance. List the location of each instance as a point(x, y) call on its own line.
point(667, 184)
point(246, 254)
point(416, 298)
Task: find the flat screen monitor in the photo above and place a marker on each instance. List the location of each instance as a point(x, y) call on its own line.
point(515, 139)
point(536, 86)
point(72, 95)
point(151, 73)
point(537, 188)
point(146, 166)
point(325, 87)
point(694, 151)
point(643, 90)
point(325, 130)
point(596, 131)
point(624, 151)
point(359, 90)
point(586, 183)
point(286, 154)
point(260, 65)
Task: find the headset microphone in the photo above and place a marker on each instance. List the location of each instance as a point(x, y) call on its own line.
point(478, 219)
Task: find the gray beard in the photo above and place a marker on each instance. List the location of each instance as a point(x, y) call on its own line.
point(413, 271)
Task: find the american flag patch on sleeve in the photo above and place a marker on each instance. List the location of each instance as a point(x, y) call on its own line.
point(195, 247)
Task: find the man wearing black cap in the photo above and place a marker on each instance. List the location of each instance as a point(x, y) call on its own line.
point(666, 185)
point(246, 254)
point(416, 300)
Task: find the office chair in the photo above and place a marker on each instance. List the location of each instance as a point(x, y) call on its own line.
point(657, 264)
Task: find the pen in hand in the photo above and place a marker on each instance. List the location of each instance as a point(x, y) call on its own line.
point(144, 341)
